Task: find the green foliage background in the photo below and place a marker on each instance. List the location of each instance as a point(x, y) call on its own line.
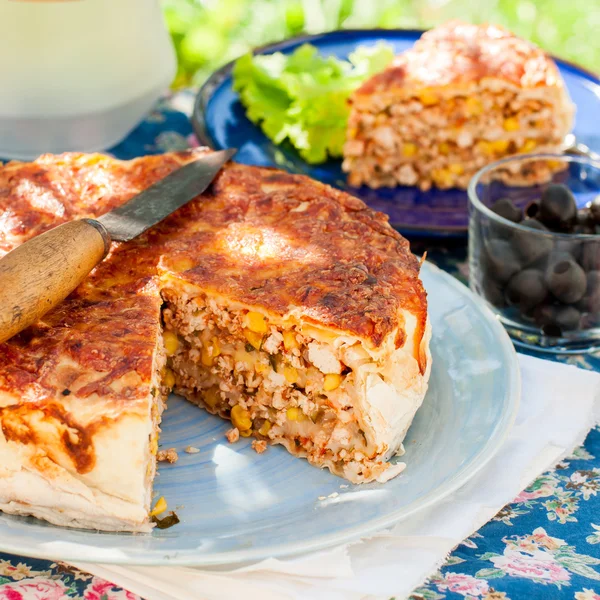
point(209, 33)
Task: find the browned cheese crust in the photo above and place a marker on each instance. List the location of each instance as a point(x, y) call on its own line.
point(460, 54)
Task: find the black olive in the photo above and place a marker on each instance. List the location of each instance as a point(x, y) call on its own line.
point(493, 291)
point(526, 289)
point(544, 314)
point(590, 255)
point(591, 299)
point(500, 231)
point(584, 221)
point(552, 330)
point(595, 210)
point(558, 209)
point(531, 246)
point(501, 262)
point(556, 319)
point(568, 245)
point(567, 318)
point(532, 210)
point(534, 224)
point(505, 208)
point(557, 256)
point(544, 262)
point(566, 280)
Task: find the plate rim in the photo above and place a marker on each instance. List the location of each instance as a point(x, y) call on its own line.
point(216, 78)
point(79, 553)
point(206, 91)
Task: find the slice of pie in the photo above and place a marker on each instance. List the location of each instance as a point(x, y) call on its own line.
point(463, 96)
point(289, 307)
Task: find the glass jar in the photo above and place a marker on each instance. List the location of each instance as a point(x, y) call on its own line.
point(543, 285)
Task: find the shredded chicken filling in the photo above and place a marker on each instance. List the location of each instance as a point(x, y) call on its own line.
point(273, 384)
point(431, 140)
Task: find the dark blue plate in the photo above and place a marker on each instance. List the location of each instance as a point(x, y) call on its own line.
point(220, 121)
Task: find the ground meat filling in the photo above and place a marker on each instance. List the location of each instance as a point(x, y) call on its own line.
point(429, 140)
point(273, 384)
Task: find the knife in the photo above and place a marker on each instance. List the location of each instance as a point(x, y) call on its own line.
point(39, 274)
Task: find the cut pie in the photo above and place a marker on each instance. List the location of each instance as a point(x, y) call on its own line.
point(288, 307)
point(463, 96)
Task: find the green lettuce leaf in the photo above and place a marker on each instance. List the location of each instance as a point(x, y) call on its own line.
point(303, 97)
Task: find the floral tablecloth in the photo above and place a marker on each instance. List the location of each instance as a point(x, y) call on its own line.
point(546, 544)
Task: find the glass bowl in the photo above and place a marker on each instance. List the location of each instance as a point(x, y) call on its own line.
point(544, 286)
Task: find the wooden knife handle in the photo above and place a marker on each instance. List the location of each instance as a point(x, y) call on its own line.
point(42, 272)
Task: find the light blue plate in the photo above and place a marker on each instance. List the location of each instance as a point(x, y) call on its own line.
point(236, 505)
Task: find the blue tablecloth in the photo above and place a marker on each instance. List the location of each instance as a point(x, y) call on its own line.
point(546, 544)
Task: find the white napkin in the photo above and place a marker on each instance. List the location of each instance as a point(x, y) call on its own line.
point(560, 403)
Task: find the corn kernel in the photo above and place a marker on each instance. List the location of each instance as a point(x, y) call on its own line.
point(428, 98)
point(92, 160)
point(169, 379)
point(409, 149)
point(210, 351)
point(253, 338)
point(240, 418)
point(295, 414)
point(211, 397)
point(528, 146)
point(261, 368)
point(207, 359)
point(265, 427)
point(500, 146)
point(159, 507)
point(246, 433)
point(511, 124)
point(154, 445)
point(456, 168)
point(332, 382)
point(290, 373)
point(256, 322)
point(442, 177)
point(485, 147)
point(171, 342)
point(474, 107)
point(444, 148)
point(289, 340)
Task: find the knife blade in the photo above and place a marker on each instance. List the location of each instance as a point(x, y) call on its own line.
point(164, 197)
point(39, 274)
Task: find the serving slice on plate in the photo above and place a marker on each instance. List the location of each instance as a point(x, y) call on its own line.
point(463, 96)
point(292, 309)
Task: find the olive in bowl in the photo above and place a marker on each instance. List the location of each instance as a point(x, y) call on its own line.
point(534, 251)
